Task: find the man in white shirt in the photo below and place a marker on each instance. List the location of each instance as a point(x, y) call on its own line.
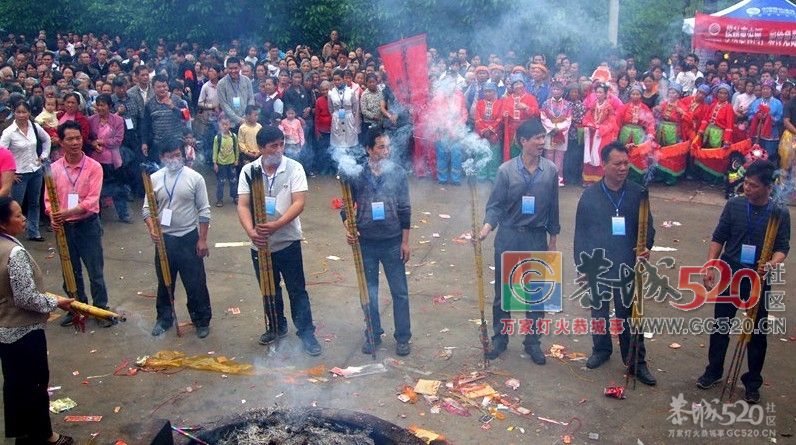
point(285, 185)
point(688, 77)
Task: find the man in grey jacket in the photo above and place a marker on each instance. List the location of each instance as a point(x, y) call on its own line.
point(235, 92)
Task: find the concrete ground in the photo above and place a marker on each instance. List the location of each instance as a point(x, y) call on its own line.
point(563, 391)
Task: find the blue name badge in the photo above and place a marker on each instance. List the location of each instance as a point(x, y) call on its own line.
point(377, 210)
point(270, 205)
point(748, 253)
point(618, 225)
point(341, 114)
point(236, 101)
point(528, 205)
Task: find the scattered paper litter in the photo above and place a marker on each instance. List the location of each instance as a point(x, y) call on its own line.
point(513, 384)
point(333, 258)
point(444, 216)
point(427, 387)
point(61, 405)
point(82, 418)
point(357, 371)
point(435, 235)
point(675, 346)
point(663, 249)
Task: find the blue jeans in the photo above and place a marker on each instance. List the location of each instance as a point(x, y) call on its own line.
point(449, 161)
point(226, 173)
point(84, 239)
point(388, 253)
point(289, 265)
point(29, 188)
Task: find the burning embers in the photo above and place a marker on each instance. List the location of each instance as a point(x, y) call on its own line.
point(317, 426)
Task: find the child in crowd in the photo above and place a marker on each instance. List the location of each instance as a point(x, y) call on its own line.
point(49, 122)
point(247, 135)
point(189, 144)
point(294, 134)
point(225, 159)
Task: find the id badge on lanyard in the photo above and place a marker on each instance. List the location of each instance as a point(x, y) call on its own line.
point(748, 252)
point(71, 200)
point(270, 205)
point(618, 225)
point(528, 205)
point(377, 210)
point(165, 217)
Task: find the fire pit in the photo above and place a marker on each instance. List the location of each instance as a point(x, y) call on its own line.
point(315, 426)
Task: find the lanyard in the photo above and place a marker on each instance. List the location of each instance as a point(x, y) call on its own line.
point(270, 180)
point(166, 187)
point(617, 204)
point(525, 174)
point(235, 87)
point(74, 182)
point(751, 228)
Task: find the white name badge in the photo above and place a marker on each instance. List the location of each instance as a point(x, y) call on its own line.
point(72, 200)
point(618, 225)
point(528, 205)
point(748, 252)
point(128, 123)
point(377, 210)
point(341, 114)
point(270, 205)
point(236, 102)
point(165, 217)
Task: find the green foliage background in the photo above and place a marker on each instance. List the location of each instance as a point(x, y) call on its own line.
point(577, 27)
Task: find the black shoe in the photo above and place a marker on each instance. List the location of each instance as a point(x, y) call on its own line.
point(282, 332)
point(37, 239)
point(707, 382)
point(126, 220)
point(596, 360)
point(643, 375)
point(368, 347)
point(268, 337)
point(403, 348)
point(535, 351)
point(311, 345)
point(235, 201)
point(202, 331)
point(159, 329)
point(63, 440)
point(498, 348)
point(68, 320)
point(752, 396)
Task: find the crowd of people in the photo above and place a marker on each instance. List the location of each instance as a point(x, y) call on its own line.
point(89, 112)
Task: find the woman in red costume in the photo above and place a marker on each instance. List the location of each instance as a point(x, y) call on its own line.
point(599, 130)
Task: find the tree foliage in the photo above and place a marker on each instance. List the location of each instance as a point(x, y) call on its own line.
point(576, 27)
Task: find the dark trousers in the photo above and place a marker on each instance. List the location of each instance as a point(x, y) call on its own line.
point(183, 259)
point(289, 266)
point(113, 186)
point(25, 378)
point(508, 239)
point(323, 160)
point(601, 343)
point(388, 253)
point(28, 189)
point(84, 239)
point(756, 349)
point(226, 173)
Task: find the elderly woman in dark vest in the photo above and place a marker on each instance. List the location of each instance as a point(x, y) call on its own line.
point(24, 311)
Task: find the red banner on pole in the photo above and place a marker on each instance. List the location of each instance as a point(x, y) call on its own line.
point(750, 36)
point(406, 64)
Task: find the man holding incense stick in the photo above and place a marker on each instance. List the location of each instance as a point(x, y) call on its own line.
point(78, 183)
point(738, 240)
point(523, 206)
point(285, 186)
point(184, 219)
point(381, 194)
point(606, 234)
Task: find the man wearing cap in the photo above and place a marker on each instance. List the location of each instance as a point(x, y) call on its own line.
point(523, 206)
point(518, 107)
point(538, 85)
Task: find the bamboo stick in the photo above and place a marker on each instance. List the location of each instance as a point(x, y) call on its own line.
point(60, 235)
point(264, 260)
point(479, 268)
point(751, 313)
point(637, 303)
point(91, 311)
point(160, 245)
point(359, 265)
